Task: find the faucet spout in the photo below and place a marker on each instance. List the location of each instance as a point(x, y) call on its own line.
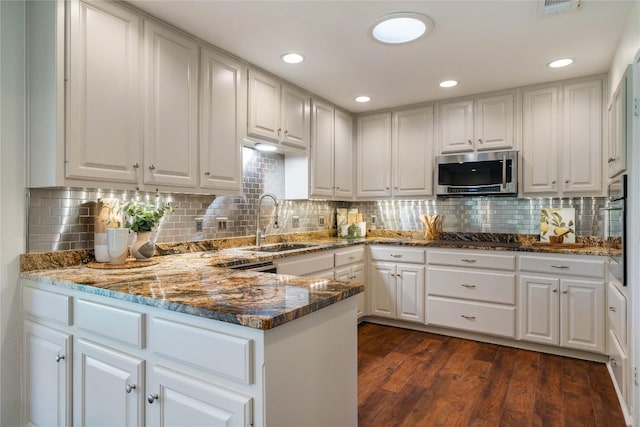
point(261, 234)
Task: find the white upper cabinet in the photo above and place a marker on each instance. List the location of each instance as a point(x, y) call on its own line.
point(617, 148)
point(278, 112)
point(222, 118)
point(562, 139)
point(171, 113)
point(484, 123)
point(103, 133)
point(412, 142)
point(331, 152)
point(582, 151)
point(374, 156)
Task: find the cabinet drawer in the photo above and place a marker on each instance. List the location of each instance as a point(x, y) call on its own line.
point(472, 259)
point(617, 312)
point(349, 256)
point(47, 305)
point(217, 352)
point(472, 316)
point(306, 265)
point(397, 254)
point(618, 361)
point(483, 286)
point(112, 322)
point(559, 265)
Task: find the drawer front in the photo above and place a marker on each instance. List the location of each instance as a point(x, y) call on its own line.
point(559, 265)
point(47, 305)
point(472, 259)
point(468, 284)
point(349, 256)
point(116, 323)
point(618, 361)
point(479, 317)
point(617, 312)
point(394, 254)
point(220, 353)
point(306, 265)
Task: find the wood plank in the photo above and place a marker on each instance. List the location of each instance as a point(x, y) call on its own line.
point(520, 398)
point(400, 406)
point(605, 403)
point(548, 408)
point(576, 393)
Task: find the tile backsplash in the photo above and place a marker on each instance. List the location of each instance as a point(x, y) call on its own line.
point(61, 219)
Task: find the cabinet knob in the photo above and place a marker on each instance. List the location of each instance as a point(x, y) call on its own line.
point(470, 142)
point(611, 160)
point(152, 167)
point(337, 188)
point(129, 388)
point(555, 291)
point(286, 132)
point(566, 181)
point(613, 361)
point(136, 165)
point(59, 357)
point(565, 291)
point(279, 130)
point(152, 397)
point(553, 182)
point(480, 140)
point(207, 174)
point(613, 309)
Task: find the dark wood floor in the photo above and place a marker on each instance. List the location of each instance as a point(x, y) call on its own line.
point(411, 378)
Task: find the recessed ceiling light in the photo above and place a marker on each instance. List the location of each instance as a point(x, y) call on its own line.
point(559, 63)
point(265, 147)
point(448, 83)
point(363, 98)
point(401, 27)
point(292, 58)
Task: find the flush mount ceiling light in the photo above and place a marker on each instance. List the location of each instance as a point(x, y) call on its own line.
point(292, 58)
point(401, 27)
point(264, 147)
point(363, 98)
point(448, 83)
point(559, 63)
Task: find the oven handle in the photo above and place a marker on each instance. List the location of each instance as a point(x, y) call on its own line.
point(610, 209)
point(504, 171)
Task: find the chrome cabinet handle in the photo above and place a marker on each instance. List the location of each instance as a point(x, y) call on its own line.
point(337, 188)
point(470, 142)
point(279, 130)
point(207, 174)
point(610, 160)
point(286, 132)
point(352, 257)
point(565, 291)
point(129, 388)
point(152, 397)
point(152, 167)
point(560, 266)
point(468, 260)
point(480, 140)
point(468, 317)
point(566, 181)
point(136, 165)
point(396, 255)
point(555, 291)
point(613, 361)
point(387, 188)
point(613, 309)
point(59, 357)
point(466, 285)
point(553, 182)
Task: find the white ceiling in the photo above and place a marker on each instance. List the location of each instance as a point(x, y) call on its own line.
point(485, 45)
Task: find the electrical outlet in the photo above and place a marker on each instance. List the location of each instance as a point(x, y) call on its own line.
point(321, 221)
point(295, 221)
point(222, 223)
point(198, 225)
point(374, 219)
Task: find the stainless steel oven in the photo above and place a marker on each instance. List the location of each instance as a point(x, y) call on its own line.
point(265, 267)
point(616, 226)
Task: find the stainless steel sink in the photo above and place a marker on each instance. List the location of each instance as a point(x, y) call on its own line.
point(282, 247)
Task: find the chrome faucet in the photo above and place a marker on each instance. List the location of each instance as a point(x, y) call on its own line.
point(261, 234)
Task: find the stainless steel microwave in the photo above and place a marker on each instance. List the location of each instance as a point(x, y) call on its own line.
point(477, 173)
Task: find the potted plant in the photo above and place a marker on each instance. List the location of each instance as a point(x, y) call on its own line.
point(141, 217)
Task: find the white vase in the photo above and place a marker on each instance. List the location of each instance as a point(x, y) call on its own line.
point(117, 244)
point(143, 248)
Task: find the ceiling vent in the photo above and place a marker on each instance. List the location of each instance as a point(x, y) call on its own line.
point(554, 7)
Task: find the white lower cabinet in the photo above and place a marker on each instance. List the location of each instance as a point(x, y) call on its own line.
point(47, 376)
point(565, 312)
point(354, 273)
point(109, 386)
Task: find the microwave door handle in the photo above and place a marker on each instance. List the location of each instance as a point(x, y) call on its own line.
point(504, 171)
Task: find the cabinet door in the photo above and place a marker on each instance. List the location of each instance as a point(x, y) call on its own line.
point(493, 122)
point(110, 387)
point(413, 152)
point(456, 126)
point(358, 275)
point(295, 118)
point(103, 132)
point(47, 376)
point(540, 140)
point(374, 156)
point(410, 293)
point(582, 315)
point(171, 144)
point(181, 400)
point(539, 316)
point(221, 121)
point(582, 149)
point(617, 156)
point(322, 155)
point(382, 283)
point(343, 156)
point(264, 106)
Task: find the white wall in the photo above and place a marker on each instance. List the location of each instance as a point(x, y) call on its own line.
point(12, 204)
point(628, 48)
